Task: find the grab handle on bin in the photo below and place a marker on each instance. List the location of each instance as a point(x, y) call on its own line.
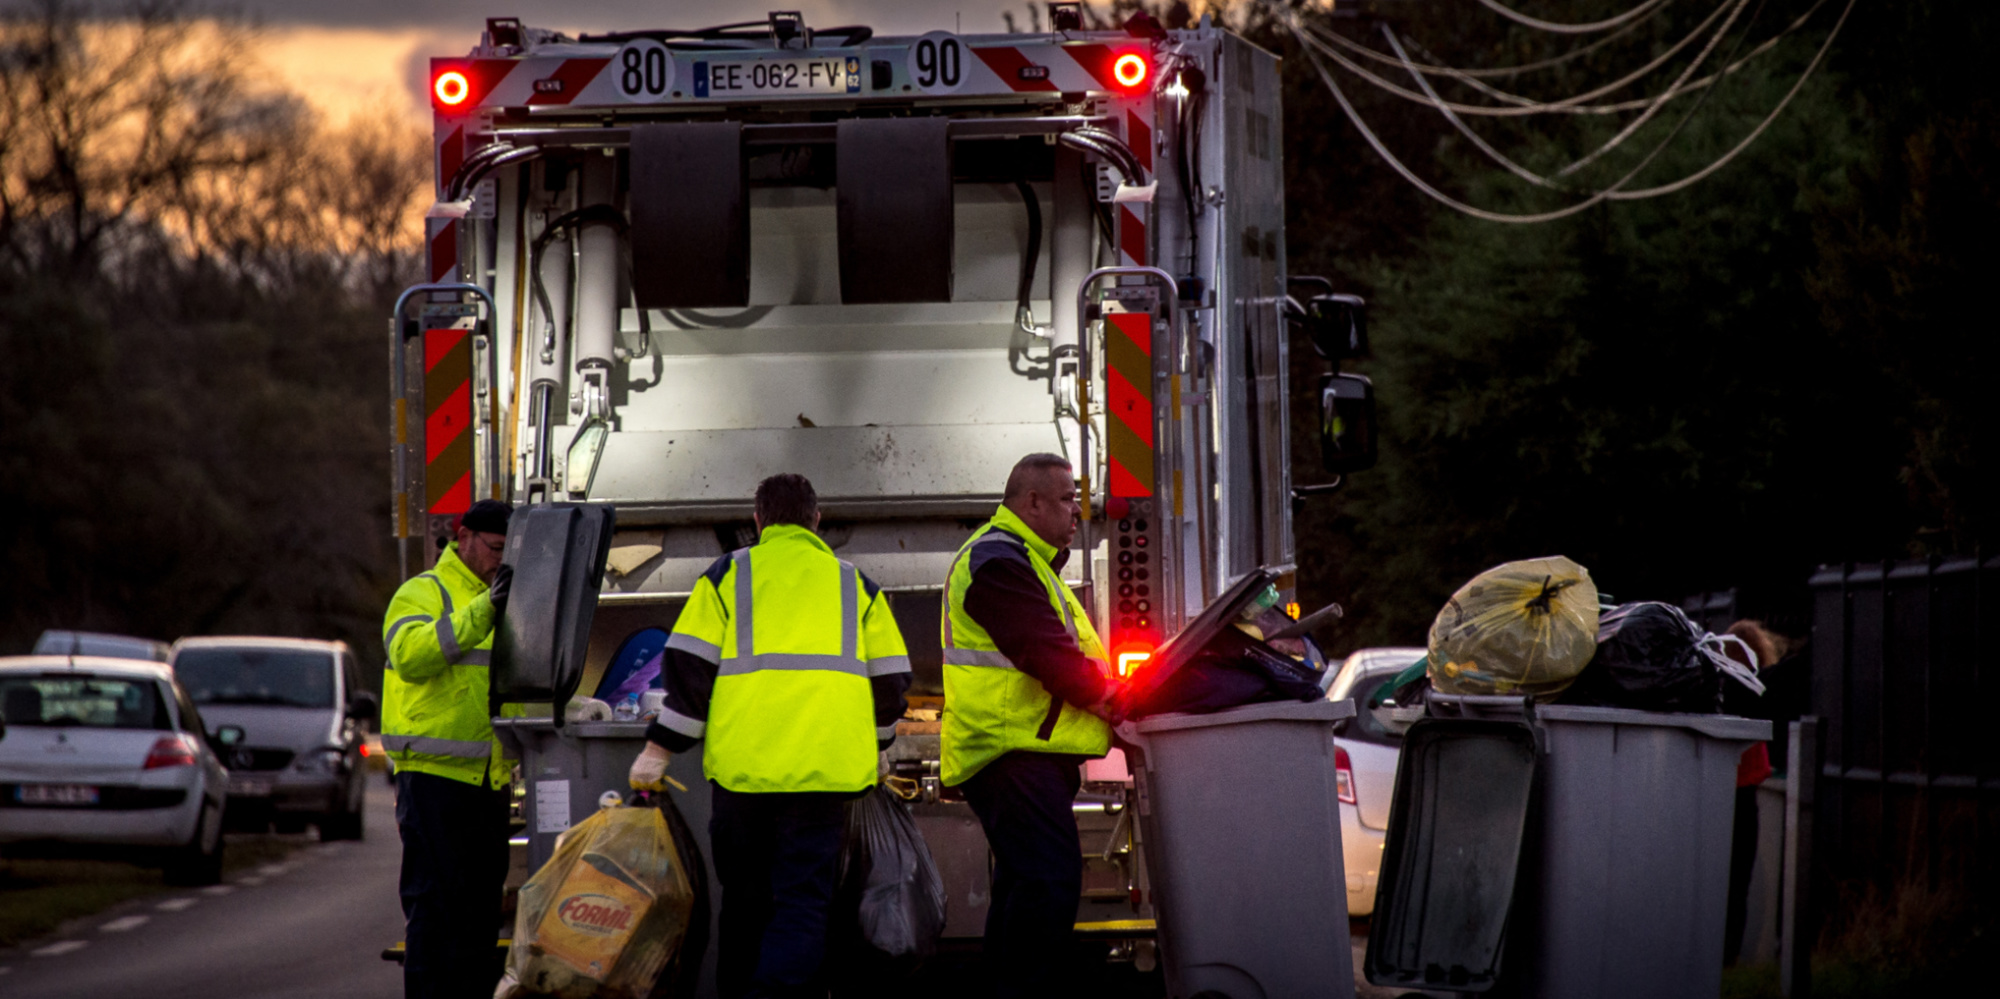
point(1483, 706)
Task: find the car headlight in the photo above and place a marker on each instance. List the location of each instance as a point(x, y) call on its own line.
point(320, 761)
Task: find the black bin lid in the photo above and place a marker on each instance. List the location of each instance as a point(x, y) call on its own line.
point(1457, 826)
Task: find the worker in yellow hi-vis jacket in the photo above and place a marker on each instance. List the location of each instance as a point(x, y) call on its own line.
point(787, 662)
point(451, 783)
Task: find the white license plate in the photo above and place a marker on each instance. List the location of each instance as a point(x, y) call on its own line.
point(249, 787)
point(55, 794)
point(824, 75)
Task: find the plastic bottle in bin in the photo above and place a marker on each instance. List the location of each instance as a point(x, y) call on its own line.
point(627, 709)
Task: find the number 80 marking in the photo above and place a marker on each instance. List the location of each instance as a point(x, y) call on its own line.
point(937, 62)
point(645, 70)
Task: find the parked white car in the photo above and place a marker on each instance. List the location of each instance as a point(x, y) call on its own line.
point(108, 757)
point(1364, 760)
point(304, 715)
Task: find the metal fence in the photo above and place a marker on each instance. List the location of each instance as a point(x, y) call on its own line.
point(1905, 685)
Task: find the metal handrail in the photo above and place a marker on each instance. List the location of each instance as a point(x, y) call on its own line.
point(1086, 370)
point(399, 401)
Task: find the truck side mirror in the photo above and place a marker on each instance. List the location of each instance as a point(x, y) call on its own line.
point(1346, 423)
point(1338, 326)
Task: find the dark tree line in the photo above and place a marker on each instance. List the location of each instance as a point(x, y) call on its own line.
point(193, 271)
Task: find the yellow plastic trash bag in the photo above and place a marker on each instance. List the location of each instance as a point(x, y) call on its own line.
point(1525, 627)
point(605, 914)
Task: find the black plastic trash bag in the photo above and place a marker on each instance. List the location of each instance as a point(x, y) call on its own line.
point(1232, 670)
point(888, 881)
point(1650, 657)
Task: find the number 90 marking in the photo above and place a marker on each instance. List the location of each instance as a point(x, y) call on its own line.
point(643, 70)
point(937, 63)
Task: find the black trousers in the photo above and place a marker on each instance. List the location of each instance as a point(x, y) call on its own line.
point(1024, 801)
point(454, 866)
point(777, 856)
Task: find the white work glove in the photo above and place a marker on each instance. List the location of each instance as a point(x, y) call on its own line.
point(649, 770)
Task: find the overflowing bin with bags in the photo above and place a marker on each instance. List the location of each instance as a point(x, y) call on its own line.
point(1231, 744)
point(1540, 847)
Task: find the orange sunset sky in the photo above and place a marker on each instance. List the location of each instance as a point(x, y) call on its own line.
point(370, 56)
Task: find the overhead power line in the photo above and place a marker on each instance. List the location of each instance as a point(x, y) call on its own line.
point(1318, 36)
point(1570, 29)
point(1614, 192)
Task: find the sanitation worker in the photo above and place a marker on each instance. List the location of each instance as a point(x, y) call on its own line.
point(451, 783)
point(787, 665)
point(1025, 685)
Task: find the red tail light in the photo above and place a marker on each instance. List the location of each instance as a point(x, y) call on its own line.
point(1343, 776)
point(1131, 70)
point(172, 751)
point(451, 88)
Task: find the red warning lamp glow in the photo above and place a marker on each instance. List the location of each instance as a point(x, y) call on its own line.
point(1129, 661)
point(451, 88)
point(1130, 70)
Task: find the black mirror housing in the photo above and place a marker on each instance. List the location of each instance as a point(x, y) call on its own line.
point(1346, 423)
point(1338, 326)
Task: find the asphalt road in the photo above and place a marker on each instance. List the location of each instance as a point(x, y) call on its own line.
point(309, 927)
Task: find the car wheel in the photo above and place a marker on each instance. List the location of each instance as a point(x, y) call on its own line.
point(342, 825)
point(200, 861)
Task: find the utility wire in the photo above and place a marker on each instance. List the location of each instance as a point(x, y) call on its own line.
point(1517, 99)
point(1635, 124)
point(1569, 29)
point(1570, 105)
point(1526, 67)
point(1515, 168)
point(1613, 192)
point(1696, 177)
point(1315, 34)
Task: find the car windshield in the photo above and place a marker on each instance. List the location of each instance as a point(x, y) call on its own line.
point(286, 677)
point(82, 701)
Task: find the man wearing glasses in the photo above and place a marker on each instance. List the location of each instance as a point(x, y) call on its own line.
point(451, 783)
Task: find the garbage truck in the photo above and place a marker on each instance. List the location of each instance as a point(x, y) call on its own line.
point(665, 264)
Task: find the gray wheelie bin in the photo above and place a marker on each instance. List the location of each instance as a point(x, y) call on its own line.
point(1240, 819)
point(1559, 851)
point(566, 770)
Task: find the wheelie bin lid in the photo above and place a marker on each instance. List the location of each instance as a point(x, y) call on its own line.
point(1457, 825)
point(1192, 639)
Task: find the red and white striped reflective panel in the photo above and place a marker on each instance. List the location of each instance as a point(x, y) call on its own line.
point(1071, 68)
point(1134, 239)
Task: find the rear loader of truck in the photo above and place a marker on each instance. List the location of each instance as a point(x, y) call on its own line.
point(666, 264)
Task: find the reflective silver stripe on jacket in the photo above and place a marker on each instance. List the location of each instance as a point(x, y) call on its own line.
point(447, 638)
point(434, 746)
point(674, 721)
point(390, 641)
point(888, 665)
point(977, 657)
point(707, 652)
point(954, 656)
point(476, 657)
point(886, 731)
point(748, 660)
